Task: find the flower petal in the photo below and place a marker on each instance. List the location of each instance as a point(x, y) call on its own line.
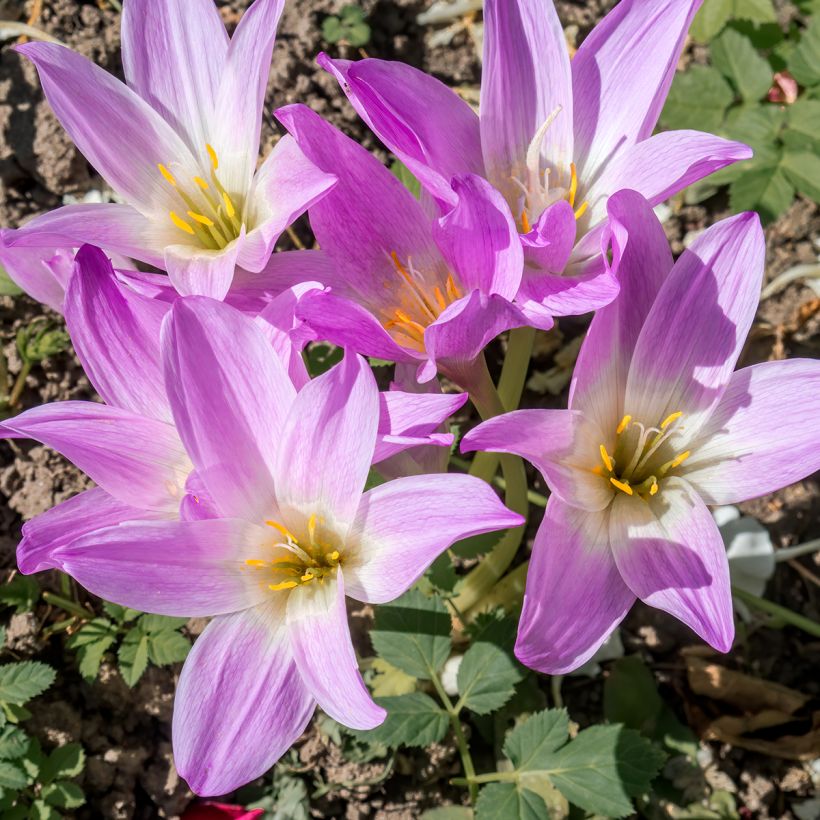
point(138, 460)
point(230, 395)
point(240, 702)
point(194, 271)
point(390, 551)
point(526, 77)
point(563, 445)
point(182, 568)
point(320, 637)
point(42, 272)
point(696, 328)
point(670, 553)
point(326, 446)
point(575, 596)
point(760, 436)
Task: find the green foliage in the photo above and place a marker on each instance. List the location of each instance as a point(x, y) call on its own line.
point(508, 801)
point(487, 678)
point(349, 27)
point(715, 14)
point(41, 339)
point(7, 285)
point(321, 356)
point(20, 682)
point(414, 719)
point(405, 176)
point(22, 592)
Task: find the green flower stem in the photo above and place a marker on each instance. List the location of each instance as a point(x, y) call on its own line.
point(68, 606)
point(19, 385)
point(787, 615)
point(491, 777)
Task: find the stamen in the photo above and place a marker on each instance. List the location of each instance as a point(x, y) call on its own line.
point(255, 562)
point(229, 208)
point(312, 528)
point(582, 210)
point(533, 159)
point(654, 488)
point(670, 418)
point(525, 222)
point(333, 556)
point(573, 185)
point(181, 224)
point(201, 182)
point(623, 424)
point(452, 290)
point(623, 486)
point(213, 156)
point(442, 302)
point(606, 459)
point(680, 459)
point(169, 177)
point(287, 533)
point(283, 585)
point(203, 220)
point(308, 576)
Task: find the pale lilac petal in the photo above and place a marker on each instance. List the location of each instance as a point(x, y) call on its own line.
point(575, 596)
point(117, 131)
point(173, 54)
point(138, 460)
point(547, 247)
point(115, 332)
point(621, 75)
point(283, 270)
point(421, 120)
point(287, 184)
point(670, 553)
point(240, 702)
point(762, 436)
point(526, 77)
point(479, 240)
point(326, 446)
point(641, 258)
point(195, 271)
point(42, 272)
point(230, 395)
point(391, 548)
point(91, 510)
point(181, 568)
point(320, 637)
point(563, 445)
point(696, 328)
point(197, 503)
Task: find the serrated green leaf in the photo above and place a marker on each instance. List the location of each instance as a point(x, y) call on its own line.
point(412, 720)
point(486, 678)
point(506, 801)
point(495, 628)
point(63, 794)
point(476, 545)
point(133, 656)
point(160, 623)
point(631, 695)
point(20, 682)
point(803, 170)
point(389, 681)
point(167, 646)
point(534, 741)
point(12, 776)
point(405, 176)
point(765, 189)
point(710, 19)
point(698, 97)
point(121, 614)
point(64, 761)
point(738, 60)
point(413, 634)
point(804, 62)
point(96, 630)
point(15, 713)
point(21, 592)
point(757, 125)
point(538, 782)
point(804, 123)
point(442, 574)
point(13, 743)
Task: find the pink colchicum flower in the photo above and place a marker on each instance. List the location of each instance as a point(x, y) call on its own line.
point(555, 136)
point(130, 446)
point(658, 426)
point(42, 273)
point(291, 532)
point(403, 286)
point(179, 143)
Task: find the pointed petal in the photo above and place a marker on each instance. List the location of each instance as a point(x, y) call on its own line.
point(41, 272)
point(115, 332)
point(621, 75)
point(696, 328)
point(642, 259)
point(760, 437)
point(670, 553)
point(138, 460)
point(575, 596)
point(563, 445)
point(240, 703)
point(101, 114)
point(526, 77)
point(320, 637)
point(230, 395)
point(181, 568)
point(390, 552)
point(91, 510)
point(327, 444)
point(194, 271)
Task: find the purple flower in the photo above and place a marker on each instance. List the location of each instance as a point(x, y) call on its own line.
point(288, 531)
point(658, 426)
point(41, 272)
point(403, 286)
point(555, 136)
point(179, 143)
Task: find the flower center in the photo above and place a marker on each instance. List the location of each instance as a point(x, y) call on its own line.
point(422, 302)
point(643, 456)
point(211, 215)
point(298, 563)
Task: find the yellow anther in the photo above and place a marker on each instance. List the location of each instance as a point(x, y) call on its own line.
point(169, 177)
point(573, 185)
point(452, 289)
point(283, 585)
point(229, 208)
point(308, 576)
point(669, 419)
point(605, 458)
point(654, 488)
point(281, 529)
point(255, 562)
point(212, 155)
point(312, 528)
point(442, 302)
point(181, 223)
point(202, 219)
point(598, 470)
point(525, 222)
point(678, 460)
point(621, 485)
point(582, 210)
point(201, 182)
point(333, 556)
point(623, 424)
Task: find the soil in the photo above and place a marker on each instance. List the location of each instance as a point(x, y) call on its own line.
point(126, 733)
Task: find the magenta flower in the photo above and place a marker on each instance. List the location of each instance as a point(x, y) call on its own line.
point(658, 426)
point(403, 286)
point(179, 143)
point(555, 136)
point(42, 273)
point(290, 532)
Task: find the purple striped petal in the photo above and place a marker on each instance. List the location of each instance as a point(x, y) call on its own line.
point(42, 272)
point(195, 271)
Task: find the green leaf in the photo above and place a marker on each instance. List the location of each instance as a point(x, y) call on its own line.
point(133, 656)
point(7, 285)
point(388, 680)
point(442, 574)
point(160, 623)
point(505, 801)
point(167, 646)
point(533, 742)
point(710, 20)
point(412, 720)
point(358, 35)
point(40, 810)
point(63, 794)
point(765, 189)
point(448, 813)
point(321, 356)
point(405, 176)
point(20, 682)
point(804, 62)
point(121, 614)
point(486, 678)
point(12, 776)
point(758, 11)
point(803, 170)
point(64, 761)
point(737, 59)
point(413, 634)
point(700, 95)
point(15, 713)
point(21, 592)
point(332, 29)
point(804, 126)
point(91, 643)
point(631, 695)
point(476, 545)
point(13, 743)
